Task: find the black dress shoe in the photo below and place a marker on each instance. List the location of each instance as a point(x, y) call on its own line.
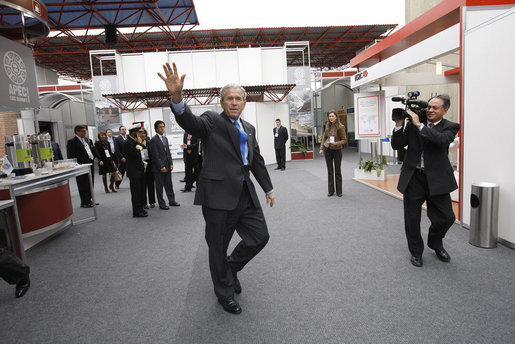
point(282, 169)
point(277, 168)
point(186, 190)
point(152, 205)
point(182, 181)
point(174, 204)
point(329, 195)
point(443, 255)
point(86, 205)
point(140, 214)
point(164, 207)
point(230, 305)
point(416, 261)
point(146, 206)
point(22, 287)
point(339, 195)
point(91, 204)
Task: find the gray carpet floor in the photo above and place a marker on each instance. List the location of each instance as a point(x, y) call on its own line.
point(336, 270)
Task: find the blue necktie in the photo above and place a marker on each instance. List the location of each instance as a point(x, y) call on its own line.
point(243, 140)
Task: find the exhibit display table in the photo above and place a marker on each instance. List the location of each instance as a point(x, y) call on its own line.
point(42, 205)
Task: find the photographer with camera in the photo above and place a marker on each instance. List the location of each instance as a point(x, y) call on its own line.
point(426, 173)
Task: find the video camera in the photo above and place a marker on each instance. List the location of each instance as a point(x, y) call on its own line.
point(417, 106)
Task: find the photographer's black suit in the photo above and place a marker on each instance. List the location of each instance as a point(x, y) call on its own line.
point(433, 184)
point(227, 194)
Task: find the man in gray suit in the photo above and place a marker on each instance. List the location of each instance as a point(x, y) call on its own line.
point(162, 166)
point(224, 189)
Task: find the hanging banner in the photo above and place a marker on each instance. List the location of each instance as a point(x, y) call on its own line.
point(301, 115)
point(108, 115)
point(18, 87)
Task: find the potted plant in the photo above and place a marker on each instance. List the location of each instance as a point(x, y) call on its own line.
point(298, 147)
point(372, 168)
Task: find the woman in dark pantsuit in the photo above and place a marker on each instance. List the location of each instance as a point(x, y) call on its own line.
point(106, 163)
point(333, 140)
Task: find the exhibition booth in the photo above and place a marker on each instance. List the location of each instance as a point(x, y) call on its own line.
point(262, 71)
point(457, 39)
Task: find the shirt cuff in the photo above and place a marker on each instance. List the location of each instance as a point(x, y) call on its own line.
point(397, 128)
point(178, 109)
point(421, 126)
point(269, 192)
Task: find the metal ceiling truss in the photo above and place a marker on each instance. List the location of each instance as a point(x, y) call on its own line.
point(134, 101)
point(330, 47)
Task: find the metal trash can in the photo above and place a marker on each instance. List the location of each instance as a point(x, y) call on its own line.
point(484, 214)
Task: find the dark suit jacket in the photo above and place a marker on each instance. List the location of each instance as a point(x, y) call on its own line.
point(119, 144)
point(221, 180)
point(193, 147)
point(75, 149)
point(135, 167)
point(435, 145)
point(161, 156)
point(282, 137)
point(56, 150)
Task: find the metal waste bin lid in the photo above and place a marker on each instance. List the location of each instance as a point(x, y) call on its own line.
point(485, 185)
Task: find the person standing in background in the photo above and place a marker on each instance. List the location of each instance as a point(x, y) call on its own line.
point(81, 148)
point(106, 163)
point(136, 171)
point(280, 138)
point(120, 154)
point(149, 174)
point(333, 140)
point(163, 165)
point(190, 153)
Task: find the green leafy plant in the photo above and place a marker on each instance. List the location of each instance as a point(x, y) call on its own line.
point(376, 163)
point(298, 147)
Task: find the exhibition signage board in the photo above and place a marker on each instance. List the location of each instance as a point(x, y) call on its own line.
point(107, 114)
point(18, 87)
point(369, 112)
point(301, 115)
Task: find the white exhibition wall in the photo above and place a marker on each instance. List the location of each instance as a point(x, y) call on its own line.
point(206, 69)
point(487, 134)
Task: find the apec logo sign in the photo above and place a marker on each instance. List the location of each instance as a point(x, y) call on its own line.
point(17, 72)
point(361, 75)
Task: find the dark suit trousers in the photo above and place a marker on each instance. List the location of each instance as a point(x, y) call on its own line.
point(439, 211)
point(333, 160)
point(250, 224)
point(122, 167)
point(164, 180)
point(280, 157)
point(12, 270)
point(189, 169)
point(150, 187)
point(137, 186)
point(84, 188)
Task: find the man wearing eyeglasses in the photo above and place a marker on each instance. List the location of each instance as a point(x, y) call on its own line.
point(427, 176)
point(81, 148)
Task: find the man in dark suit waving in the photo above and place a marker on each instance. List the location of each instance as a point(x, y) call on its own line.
point(427, 175)
point(280, 138)
point(224, 189)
